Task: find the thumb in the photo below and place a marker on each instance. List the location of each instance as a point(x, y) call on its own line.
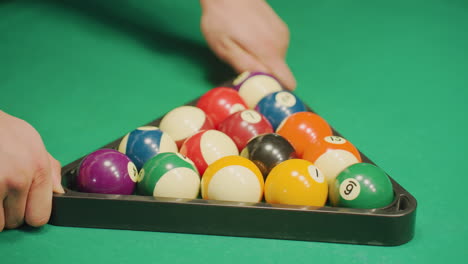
point(56, 175)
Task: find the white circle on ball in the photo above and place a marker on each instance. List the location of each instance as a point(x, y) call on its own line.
point(241, 78)
point(251, 116)
point(332, 162)
point(234, 183)
point(285, 99)
point(316, 174)
point(236, 108)
point(178, 183)
point(257, 87)
point(132, 171)
point(335, 140)
point(350, 189)
point(183, 122)
point(215, 144)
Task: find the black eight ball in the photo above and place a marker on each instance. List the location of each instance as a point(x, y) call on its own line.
point(267, 151)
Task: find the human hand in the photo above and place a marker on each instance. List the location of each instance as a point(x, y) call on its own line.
point(248, 35)
point(28, 175)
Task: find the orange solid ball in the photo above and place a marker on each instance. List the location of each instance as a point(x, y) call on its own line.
point(296, 182)
point(304, 128)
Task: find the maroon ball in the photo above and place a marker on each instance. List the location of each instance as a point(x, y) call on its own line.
point(107, 171)
point(244, 125)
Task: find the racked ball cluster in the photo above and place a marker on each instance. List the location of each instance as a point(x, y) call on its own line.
point(250, 142)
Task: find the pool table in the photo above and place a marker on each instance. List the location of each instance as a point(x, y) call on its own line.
point(392, 77)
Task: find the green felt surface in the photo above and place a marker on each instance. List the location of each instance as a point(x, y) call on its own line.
point(391, 76)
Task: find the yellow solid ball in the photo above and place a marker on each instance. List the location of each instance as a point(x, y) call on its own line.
point(296, 182)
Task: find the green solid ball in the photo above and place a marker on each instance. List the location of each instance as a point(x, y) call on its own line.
point(169, 175)
point(361, 185)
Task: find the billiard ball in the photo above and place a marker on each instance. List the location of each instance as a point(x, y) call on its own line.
point(303, 128)
point(267, 151)
point(232, 178)
point(245, 125)
point(169, 175)
point(207, 146)
point(106, 171)
point(144, 143)
point(183, 122)
point(361, 185)
point(279, 105)
point(296, 182)
point(331, 155)
point(220, 102)
point(253, 86)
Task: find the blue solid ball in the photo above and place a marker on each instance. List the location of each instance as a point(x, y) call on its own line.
point(143, 143)
point(279, 105)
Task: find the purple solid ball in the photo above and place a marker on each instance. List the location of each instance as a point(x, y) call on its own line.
point(247, 75)
point(107, 171)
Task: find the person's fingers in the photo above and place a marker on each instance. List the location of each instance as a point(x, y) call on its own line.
point(56, 175)
point(39, 201)
point(2, 217)
point(15, 202)
point(258, 59)
point(281, 70)
point(257, 42)
point(2, 198)
point(274, 60)
point(235, 55)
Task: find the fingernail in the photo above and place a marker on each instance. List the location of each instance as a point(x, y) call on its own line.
point(58, 188)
